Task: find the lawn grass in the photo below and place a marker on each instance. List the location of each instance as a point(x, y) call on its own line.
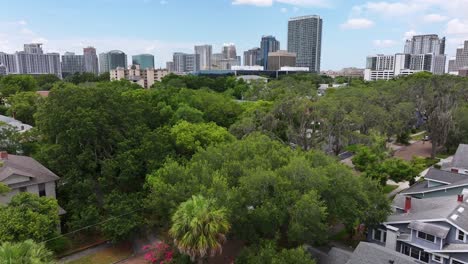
point(108, 255)
point(417, 137)
point(389, 188)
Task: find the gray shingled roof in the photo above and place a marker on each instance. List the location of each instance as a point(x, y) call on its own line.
point(25, 166)
point(460, 160)
point(431, 209)
point(453, 179)
point(368, 253)
point(431, 229)
point(444, 176)
point(338, 256)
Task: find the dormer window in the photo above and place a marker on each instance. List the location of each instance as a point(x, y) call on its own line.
point(426, 236)
point(460, 235)
point(379, 235)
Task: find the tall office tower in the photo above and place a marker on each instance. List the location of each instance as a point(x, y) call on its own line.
point(72, 63)
point(279, 59)
point(267, 45)
point(34, 61)
point(111, 60)
point(170, 66)
point(9, 61)
point(216, 61)
point(459, 63)
point(205, 52)
point(305, 39)
point(146, 61)
point(184, 63)
point(90, 60)
point(252, 57)
point(423, 44)
point(229, 51)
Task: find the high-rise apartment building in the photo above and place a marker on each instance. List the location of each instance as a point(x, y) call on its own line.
point(216, 61)
point(205, 52)
point(72, 63)
point(279, 59)
point(3, 69)
point(170, 66)
point(184, 63)
point(229, 51)
point(9, 61)
point(460, 62)
point(305, 39)
point(268, 44)
point(252, 57)
point(34, 61)
point(424, 44)
point(146, 61)
point(90, 60)
point(111, 60)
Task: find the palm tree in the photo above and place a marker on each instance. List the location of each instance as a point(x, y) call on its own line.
point(26, 252)
point(199, 228)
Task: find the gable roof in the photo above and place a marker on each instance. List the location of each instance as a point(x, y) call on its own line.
point(449, 179)
point(25, 166)
point(460, 159)
point(368, 253)
point(446, 209)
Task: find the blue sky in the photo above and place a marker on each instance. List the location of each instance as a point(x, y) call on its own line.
point(352, 29)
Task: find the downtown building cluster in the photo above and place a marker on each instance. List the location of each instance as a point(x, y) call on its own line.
point(302, 54)
point(421, 53)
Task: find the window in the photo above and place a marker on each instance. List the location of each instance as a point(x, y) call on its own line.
point(379, 235)
point(427, 237)
point(42, 191)
point(460, 235)
point(437, 258)
point(22, 189)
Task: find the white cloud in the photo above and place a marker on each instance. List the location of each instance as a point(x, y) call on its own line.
point(357, 23)
point(389, 9)
point(386, 43)
point(284, 10)
point(434, 18)
point(457, 27)
point(317, 3)
point(410, 34)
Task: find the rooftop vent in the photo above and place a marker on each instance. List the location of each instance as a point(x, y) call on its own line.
point(461, 209)
point(454, 217)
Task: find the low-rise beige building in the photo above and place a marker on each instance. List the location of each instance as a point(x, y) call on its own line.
point(145, 78)
point(281, 58)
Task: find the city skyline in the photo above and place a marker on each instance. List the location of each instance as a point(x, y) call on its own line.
point(362, 26)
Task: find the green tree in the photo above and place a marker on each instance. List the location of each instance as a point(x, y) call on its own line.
point(12, 84)
point(267, 253)
point(29, 216)
point(190, 137)
point(398, 170)
point(45, 82)
point(4, 188)
point(25, 252)
point(199, 228)
point(23, 106)
point(10, 139)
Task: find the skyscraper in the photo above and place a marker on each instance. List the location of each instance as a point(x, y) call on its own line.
point(252, 57)
point(461, 59)
point(184, 63)
point(34, 61)
point(9, 61)
point(90, 60)
point(205, 52)
point(424, 44)
point(72, 63)
point(305, 39)
point(267, 45)
point(229, 51)
point(216, 61)
point(146, 61)
point(111, 60)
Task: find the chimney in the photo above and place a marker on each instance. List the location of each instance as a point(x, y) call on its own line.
point(460, 198)
point(407, 204)
point(3, 155)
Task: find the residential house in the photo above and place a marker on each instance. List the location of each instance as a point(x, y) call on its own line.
point(430, 230)
point(451, 179)
point(18, 125)
point(25, 174)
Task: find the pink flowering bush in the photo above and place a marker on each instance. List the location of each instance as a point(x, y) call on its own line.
point(158, 253)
